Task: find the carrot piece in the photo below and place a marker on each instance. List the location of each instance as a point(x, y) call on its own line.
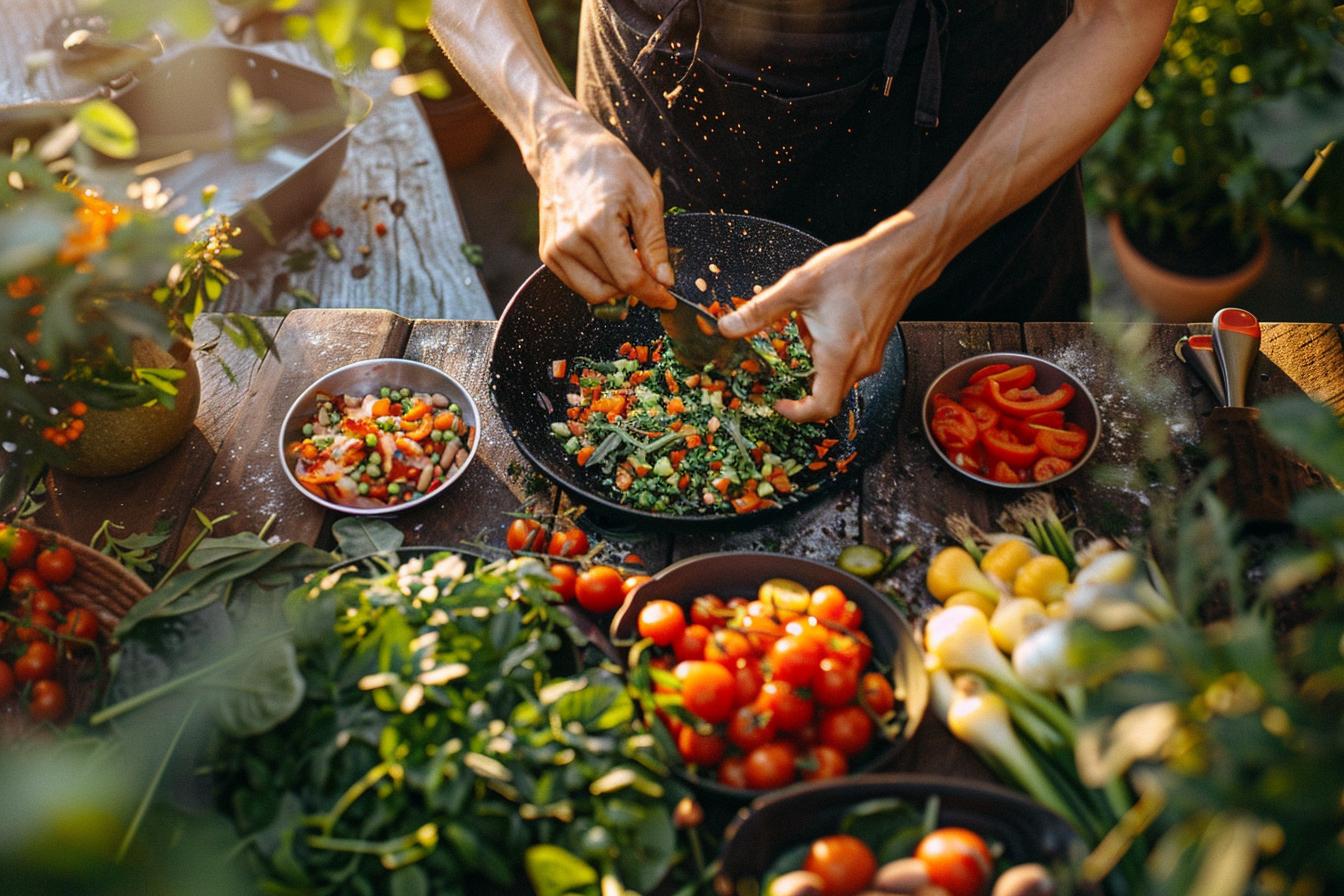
point(558, 368)
point(421, 432)
point(314, 488)
point(715, 308)
point(642, 353)
point(716, 465)
point(843, 463)
point(735, 403)
point(693, 440)
point(675, 426)
point(309, 451)
point(625, 350)
point(446, 420)
point(693, 381)
point(584, 453)
point(722, 484)
point(676, 457)
point(381, 407)
point(747, 503)
point(750, 365)
point(671, 382)
point(739, 301)
point(817, 465)
point(684, 481)
point(318, 479)
point(676, 406)
point(420, 409)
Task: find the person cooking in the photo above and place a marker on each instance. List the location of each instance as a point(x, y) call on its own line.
point(934, 143)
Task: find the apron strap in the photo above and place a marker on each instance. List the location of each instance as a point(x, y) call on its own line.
point(644, 59)
point(929, 98)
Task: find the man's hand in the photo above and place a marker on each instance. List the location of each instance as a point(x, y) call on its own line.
point(596, 196)
point(849, 296)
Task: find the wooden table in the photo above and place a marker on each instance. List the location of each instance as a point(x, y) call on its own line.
point(228, 464)
point(418, 268)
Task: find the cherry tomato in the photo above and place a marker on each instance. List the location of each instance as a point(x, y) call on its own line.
point(4, 576)
point(47, 701)
point(957, 860)
point(707, 690)
point(762, 632)
point(875, 692)
point(848, 729)
point(852, 618)
point(630, 583)
point(700, 749)
point(37, 662)
point(691, 644)
point(565, 578)
point(795, 660)
point(733, 773)
point(791, 710)
point(835, 683)
point(662, 621)
point(36, 627)
point(569, 543)
point(599, 589)
point(56, 564)
point(821, 762)
point(80, 624)
point(25, 582)
point(771, 765)
point(749, 729)
point(748, 680)
point(726, 647)
point(44, 601)
point(844, 863)
point(1050, 467)
point(526, 535)
point(6, 680)
point(709, 610)
point(828, 603)
point(1000, 444)
point(1003, 472)
point(854, 650)
point(17, 546)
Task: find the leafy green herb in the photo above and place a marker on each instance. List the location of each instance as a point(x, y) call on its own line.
point(134, 551)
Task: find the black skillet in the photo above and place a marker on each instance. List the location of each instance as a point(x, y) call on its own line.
point(545, 322)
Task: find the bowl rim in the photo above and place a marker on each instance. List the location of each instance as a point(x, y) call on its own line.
point(375, 511)
point(918, 698)
point(1073, 380)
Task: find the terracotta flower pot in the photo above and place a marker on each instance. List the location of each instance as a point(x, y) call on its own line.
point(462, 126)
point(124, 440)
point(1181, 298)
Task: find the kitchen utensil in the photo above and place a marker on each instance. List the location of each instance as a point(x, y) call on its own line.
point(545, 322)
point(696, 340)
point(1236, 343)
point(731, 574)
point(362, 378)
point(1082, 410)
point(1197, 353)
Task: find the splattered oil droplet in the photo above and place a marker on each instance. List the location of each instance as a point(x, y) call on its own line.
point(756, 289)
point(715, 269)
point(700, 284)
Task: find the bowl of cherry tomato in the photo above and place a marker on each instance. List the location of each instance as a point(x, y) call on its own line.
point(898, 834)
point(1011, 420)
point(763, 670)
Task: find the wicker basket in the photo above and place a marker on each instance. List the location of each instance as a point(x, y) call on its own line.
point(108, 590)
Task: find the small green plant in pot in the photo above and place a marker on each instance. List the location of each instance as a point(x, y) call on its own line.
point(1180, 174)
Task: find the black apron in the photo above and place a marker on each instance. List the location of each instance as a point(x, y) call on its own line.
point(831, 115)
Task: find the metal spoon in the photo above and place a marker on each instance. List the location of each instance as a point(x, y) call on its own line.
point(1236, 343)
point(1197, 353)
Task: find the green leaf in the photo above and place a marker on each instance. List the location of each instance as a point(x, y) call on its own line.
point(1309, 430)
point(1322, 512)
point(261, 693)
point(107, 128)
point(359, 537)
point(335, 21)
point(555, 872)
point(408, 881)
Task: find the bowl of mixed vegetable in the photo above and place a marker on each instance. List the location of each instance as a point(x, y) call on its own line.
point(762, 670)
point(1011, 420)
point(899, 834)
point(378, 436)
point(604, 408)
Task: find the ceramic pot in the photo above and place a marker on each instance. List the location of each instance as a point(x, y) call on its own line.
point(1181, 298)
point(127, 439)
point(462, 125)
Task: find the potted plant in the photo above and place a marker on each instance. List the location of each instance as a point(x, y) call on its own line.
point(1187, 193)
point(96, 373)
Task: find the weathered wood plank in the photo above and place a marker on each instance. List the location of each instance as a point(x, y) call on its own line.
point(164, 490)
point(1141, 377)
point(499, 480)
point(246, 477)
point(908, 492)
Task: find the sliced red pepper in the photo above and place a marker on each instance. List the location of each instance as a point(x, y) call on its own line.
point(988, 370)
point(1022, 403)
point(1068, 444)
point(1000, 444)
point(977, 390)
point(1050, 467)
point(1053, 419)
point(1002, 472)
point(1019, 377)
point(747, 503)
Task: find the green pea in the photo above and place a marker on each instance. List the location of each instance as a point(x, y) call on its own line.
point(370, 440)
point(307, 429)
point(454, 408)
point(363, 488)
point(393, 488)
point(434, 458)
point(384, 392)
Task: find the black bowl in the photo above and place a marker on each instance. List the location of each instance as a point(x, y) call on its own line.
point(730, 574)
point(799, 814)
point(546, 321)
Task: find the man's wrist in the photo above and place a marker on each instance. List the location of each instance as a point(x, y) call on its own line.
point(910, 249)
point(560, 121)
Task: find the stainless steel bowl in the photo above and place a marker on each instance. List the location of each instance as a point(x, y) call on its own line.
point(364, 377)
point(1082, 410)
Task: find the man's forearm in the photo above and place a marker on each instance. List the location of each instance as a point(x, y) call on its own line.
point(1056, 107)
point(496, 47)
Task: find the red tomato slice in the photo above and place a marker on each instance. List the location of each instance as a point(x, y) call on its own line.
point(1002, 445)
point(1022, 402)
point(978, 390)
point(1053, 419)
point(1019, 377)
point(1002, 472)
point(1050, 467)
point(971, 459)
point(988, 370)
point(984, 413)
point(953, 426)
point(1068, 444)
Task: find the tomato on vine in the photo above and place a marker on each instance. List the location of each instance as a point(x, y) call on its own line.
point(37, 662)
point(957, 859)
point(572, 542)
point(662, 622)
point(47, 701)
point(526, 534)
point(56, 564)
point(17, 546)
point(844, 863)
point(599, 589)
point(565, 579)
point(707, 690)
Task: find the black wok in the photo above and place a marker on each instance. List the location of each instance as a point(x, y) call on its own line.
point(546, 321)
